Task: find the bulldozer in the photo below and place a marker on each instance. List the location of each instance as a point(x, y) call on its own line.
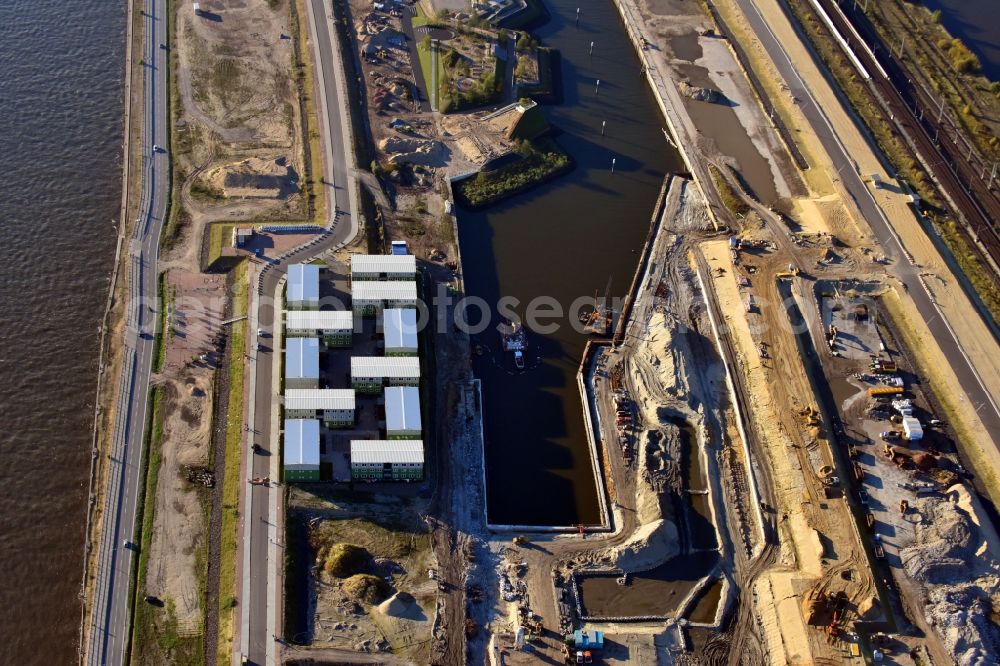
point(811, 415)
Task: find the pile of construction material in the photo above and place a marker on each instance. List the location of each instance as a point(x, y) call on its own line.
point(955, 559)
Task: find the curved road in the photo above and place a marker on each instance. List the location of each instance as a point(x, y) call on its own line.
point(107, 635)
point(262, 528)
point(972, 384)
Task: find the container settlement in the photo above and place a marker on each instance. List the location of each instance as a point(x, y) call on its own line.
point(365, 424)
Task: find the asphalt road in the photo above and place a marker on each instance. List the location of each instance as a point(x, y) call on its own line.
point(260, 573)
point(108, 632)
point(975, 391)
point(915, 113)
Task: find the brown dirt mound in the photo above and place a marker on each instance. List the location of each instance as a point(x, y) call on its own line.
point(345, 559)
point(365, 588)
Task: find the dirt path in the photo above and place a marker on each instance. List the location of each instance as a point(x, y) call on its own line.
point(232, 135)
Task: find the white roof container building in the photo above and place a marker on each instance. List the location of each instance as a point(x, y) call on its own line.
point(369, 297)
point(336, 327)
point(301, 453)
point(320, 320)
point(334, 406)
point(912, 430)
point(318, 399)
point(393, 451)
point(301, 363)
point(302, 291)
point(370, 373)
point(402, 412)
point(399, 327)
point(387, 460)
point(383, 267)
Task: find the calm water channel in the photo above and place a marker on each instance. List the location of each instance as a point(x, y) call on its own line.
point(564, 241)
point(60, 136)
point(977, 23)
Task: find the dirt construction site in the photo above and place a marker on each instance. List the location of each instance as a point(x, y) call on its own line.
point(783, 474)
point(785, 488)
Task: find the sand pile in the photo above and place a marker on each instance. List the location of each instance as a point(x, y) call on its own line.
point(650, 545)
point(954, 561)
point(254, 177)
point(413, 151)
point(403, 606)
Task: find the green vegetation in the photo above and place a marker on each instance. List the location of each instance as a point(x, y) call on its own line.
point(539, 163)
point(154, 630)
point(976, 270)
point(160, 344)
point(425, 49)
point(730, 197)
point(962, 59)
point(202, 191)
point(544, 86)
point(365, 588)
point(345, 559)
point(486, 90)
point(234, 447)
point(895, 149)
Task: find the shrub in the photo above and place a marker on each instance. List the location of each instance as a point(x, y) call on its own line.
point(365, 588)
point(345, 559)
point(536, 166)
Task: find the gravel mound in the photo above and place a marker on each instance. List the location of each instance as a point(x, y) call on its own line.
point(953, 560)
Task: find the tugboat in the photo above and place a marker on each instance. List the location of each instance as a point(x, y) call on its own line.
point(598, 321)
point(515, 341)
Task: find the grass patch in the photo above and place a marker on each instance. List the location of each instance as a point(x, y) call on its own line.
point(539, 163)
point(303, 68)
point(234, 446)
point(155, 635)
point(424, 52)
point(160, 344)
point(976, 270)
point(897, 152)
point(202, 191)
point(380, 539)
point(730, 197)
point(365, 588)
point(344, 560)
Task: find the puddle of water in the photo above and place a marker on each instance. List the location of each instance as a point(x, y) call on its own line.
point(717, 121)
point(707, 604)
point(656, 592)
point(686, 46)
point(694, 478)
point(702, 527)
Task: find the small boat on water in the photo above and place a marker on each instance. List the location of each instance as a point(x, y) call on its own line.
point(515, 341)
point(598, 321)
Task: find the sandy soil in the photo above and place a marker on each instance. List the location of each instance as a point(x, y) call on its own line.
point(390, 529)
point(195, 305)
point(239, 100)
point(972, 332)
point(817, 540)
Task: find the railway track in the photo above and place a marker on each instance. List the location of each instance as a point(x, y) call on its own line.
point(916, 116)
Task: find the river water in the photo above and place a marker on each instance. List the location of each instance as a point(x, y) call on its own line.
point(564, 241)
point(60, 137)
point(977, 23)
